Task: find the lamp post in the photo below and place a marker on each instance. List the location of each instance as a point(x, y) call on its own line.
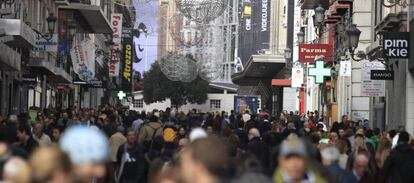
point(288, 57)
point(301, 37)
point(319, 15)
point(51, 24)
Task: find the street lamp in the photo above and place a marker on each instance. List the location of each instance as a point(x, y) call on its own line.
point(353, 34)
point(301, 37)
point(51, 24)
point(319, 15)
point(392, 3)
point(288, 54)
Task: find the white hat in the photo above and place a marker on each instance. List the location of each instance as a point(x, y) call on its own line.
point(197, 133)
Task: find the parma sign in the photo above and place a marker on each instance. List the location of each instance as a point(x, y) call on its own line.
point(396, 45)
point(308, 52)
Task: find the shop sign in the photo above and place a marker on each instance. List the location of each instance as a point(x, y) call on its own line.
point(308, 52)
point(371, 87)
point(396, 45)
point(297, 77)
point(116, 24)
point(382, 75)
point(127, 65)
point(43, 45)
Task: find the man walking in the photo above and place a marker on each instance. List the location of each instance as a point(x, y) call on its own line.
point(130, 161)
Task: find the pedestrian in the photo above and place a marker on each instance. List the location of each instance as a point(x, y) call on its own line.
point(204, 161)
point(258, 148)
point(130, 161)
point(294, 165)
point(50, 164)
point(400, 163)
point(330, 159)
point(88, 150)
point(150, 130)
point(360, 167)
point(26, 141)
point(383, 151)
point(40, 136)
point(57, 133)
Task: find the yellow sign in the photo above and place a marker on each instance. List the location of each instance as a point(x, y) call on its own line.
point(247, 11)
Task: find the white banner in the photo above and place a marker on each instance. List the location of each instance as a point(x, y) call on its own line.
point(345, 68)
point(83, 59)
point(371, 87)
point(297, 77)
point(116, 23)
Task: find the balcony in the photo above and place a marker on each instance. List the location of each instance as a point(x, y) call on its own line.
point(24, 36)
point(92, 14)
point(9, 59)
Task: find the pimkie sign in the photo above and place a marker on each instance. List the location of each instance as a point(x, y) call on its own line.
point(308, 52)
point(396, 45)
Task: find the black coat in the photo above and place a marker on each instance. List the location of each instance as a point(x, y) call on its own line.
point(399, 165)
point(134, 167)
point(261, 151)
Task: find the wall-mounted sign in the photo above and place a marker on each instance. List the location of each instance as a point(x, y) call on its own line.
point(116, 24)
point(297, 77)
point(371, 87)
point(319, 72)
point(345, 68)
point(308, 52)
point(41, 44)
point(91, 83)
point(127, 69)
point(382, 75)
point(396, 45)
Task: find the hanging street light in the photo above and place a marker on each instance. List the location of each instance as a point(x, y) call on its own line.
point(301, 37)
point(319, 15)
point(51, 24)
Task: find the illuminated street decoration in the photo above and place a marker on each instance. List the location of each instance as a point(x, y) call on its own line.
point(201, 11)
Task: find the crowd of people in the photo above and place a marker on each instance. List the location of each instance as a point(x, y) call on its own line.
point(123, 146)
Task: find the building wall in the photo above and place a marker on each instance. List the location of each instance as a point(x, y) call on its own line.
point(362, 10)
point(410, 78)
point(227, 104)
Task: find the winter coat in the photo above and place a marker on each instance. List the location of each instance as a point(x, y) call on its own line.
point(399, 165)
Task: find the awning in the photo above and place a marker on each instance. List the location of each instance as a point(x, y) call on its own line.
point(225, 86)
point(259, 67)
point(93, 15)
point(24, 36)
point(9, 59)
point(282, 82)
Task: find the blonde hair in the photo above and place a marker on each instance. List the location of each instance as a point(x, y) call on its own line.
point(383, 151)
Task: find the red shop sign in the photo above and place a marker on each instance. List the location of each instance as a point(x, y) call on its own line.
point(308, 52)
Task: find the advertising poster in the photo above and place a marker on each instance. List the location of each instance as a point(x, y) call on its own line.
point(146, 38)
point(243, 103)
point(254, 30)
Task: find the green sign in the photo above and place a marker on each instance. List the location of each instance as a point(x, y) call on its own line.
point(121, 95)
point(319, 72)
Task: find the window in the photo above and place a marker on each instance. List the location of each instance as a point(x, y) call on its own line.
point(138, 103)
point(215, 104)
